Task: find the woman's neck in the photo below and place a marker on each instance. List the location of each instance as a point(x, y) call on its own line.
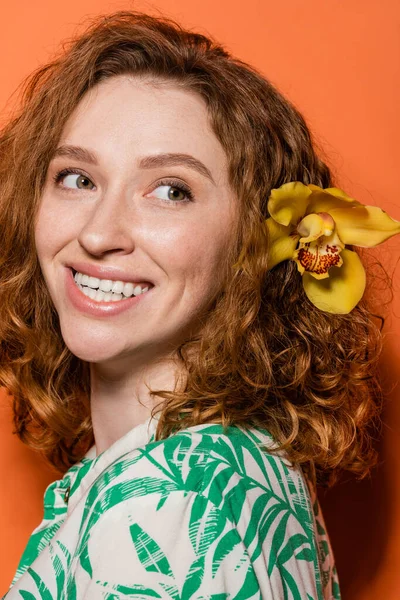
point(120, 400)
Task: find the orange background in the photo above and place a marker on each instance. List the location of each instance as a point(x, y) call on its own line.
point(338, 61)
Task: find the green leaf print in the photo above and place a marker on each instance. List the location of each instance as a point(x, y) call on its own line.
point(60, 568)
point(149, 552)
point(71, 593)
point(290, 586)
point(225, 545)
point(235, 499)
point(42, 588)
point(266, 524)
point(27, 595)
point(243, 509)
point(264, 510)
point(162, 501)
point(171, 590)
point(231, 455)
point(175, 451)
point(99, 485)
point(250, 586)
point(240, 450)
point(202, 474)
point(295, 541)
point(335, 588)
point(60, 576)
point(100, 503)
point(193, 579)
point(139, 591)
point(36, 544)
point(169, 471)
point(205, 524)
point(305, 554)
point(277, 541)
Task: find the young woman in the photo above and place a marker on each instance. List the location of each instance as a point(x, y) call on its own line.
point(181, 323)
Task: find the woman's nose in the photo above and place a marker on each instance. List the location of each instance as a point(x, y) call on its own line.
point(108, 227)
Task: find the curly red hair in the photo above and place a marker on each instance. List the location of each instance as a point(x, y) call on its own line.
point(265, 354)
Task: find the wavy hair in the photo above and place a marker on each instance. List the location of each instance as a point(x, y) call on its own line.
point(265, 355)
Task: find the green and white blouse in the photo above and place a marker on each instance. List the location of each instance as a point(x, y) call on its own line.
point(205, 514)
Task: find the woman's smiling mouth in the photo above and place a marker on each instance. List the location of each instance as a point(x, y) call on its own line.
point(107, 290)
point(86, 293)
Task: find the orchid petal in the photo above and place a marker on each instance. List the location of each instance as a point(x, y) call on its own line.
point(281, 243)
point(324, 202)
point(365, 226)
point(288, 204)
point(342, 290)
point(340, 194)
point(314, 226)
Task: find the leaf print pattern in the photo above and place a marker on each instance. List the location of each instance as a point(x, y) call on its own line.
point(149, 552)
point(206, 514)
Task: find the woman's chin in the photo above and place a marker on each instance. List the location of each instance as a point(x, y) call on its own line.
point(94, 348)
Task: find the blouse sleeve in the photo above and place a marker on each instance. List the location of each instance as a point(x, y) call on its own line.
point(182, 546)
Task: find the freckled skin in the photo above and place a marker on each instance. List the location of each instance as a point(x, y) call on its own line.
point(126, 222)
point(123, 223)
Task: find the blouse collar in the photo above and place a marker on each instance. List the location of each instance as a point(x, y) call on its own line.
point(81, 475)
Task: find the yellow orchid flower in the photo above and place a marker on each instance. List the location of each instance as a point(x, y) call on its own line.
point(312, 226)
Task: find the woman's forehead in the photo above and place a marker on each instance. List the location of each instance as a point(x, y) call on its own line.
point(129, 114)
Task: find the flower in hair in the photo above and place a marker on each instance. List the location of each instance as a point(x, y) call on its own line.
point(313, 226)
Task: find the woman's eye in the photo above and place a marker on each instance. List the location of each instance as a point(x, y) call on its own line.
point(76, 180)
point(173, 193)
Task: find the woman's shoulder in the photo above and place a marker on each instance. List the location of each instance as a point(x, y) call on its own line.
point(230, 466)
point(234, 482)
point(222, 453)
point(247, 452)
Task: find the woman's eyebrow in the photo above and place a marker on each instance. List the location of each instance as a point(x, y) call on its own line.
point(76, 152)
point(173, 159)
point(169, 159)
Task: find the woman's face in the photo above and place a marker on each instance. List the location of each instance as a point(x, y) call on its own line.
point(117, 207)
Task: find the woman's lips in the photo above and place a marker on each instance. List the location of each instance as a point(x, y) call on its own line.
point(106, 272)
point(92, 307)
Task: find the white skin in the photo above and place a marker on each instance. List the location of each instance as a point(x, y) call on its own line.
point(123, 219)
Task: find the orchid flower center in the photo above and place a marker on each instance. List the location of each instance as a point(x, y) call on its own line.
point(319, 245)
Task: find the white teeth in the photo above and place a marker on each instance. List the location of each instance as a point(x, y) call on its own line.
point(106, 285)
point(89, 292)
point(93, 282)
point(105, 290)
point(117, 287)
point(128, 289)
